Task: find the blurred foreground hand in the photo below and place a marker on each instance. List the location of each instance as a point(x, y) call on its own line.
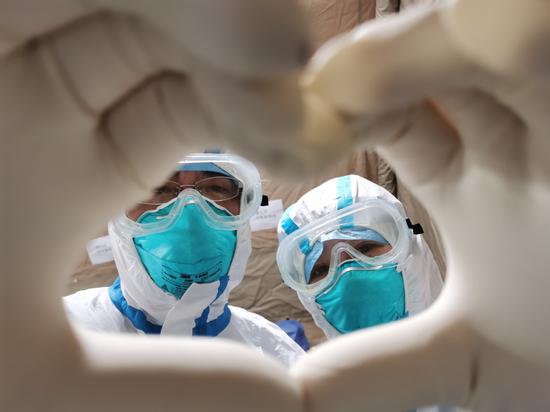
point(457, 99)
point(100, 99)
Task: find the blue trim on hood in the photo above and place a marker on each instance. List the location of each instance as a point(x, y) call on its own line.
point(136, 316)
point(343, 187)
point(140, 322)
point(215, 326)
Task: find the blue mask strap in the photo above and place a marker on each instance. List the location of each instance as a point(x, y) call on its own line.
point(136, 316)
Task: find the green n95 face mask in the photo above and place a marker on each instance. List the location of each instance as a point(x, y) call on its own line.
point(185, 230)
point(363, 297)
point(190, 251)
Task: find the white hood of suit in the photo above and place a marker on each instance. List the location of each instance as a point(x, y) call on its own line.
point(421, 276)
point(177, 316)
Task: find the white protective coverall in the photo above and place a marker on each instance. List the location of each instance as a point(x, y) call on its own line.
point(134, 304)
point(421, 276)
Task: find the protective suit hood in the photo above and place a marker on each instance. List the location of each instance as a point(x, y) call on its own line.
point(421, 277)
point(201, 304)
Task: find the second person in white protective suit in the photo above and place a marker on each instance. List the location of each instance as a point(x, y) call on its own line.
point(355, 260)
point(179, 254)
point(348, 250)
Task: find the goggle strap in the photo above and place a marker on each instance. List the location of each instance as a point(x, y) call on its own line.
point(416, 228)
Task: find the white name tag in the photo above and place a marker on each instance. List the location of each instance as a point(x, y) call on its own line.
point(100, 250)
point(267, 217)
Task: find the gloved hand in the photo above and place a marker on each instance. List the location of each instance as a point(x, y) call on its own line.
point(98, 101)
point(458, 101)
point(70, 134)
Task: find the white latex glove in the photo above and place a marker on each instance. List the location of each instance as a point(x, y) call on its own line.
point(80, 106)
point(477, 154)
point(98, 100)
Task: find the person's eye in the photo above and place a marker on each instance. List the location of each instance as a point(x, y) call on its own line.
point(218, 189)
point(162, 190)
point(365, 247)
point(166, 191)
point(372, 249)
point(318, 273)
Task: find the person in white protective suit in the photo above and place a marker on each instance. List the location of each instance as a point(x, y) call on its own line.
point(179, 254)
point(355, 260)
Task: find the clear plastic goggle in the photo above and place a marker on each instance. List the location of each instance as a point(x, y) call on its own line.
point(226, 187)
point(373, 234)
